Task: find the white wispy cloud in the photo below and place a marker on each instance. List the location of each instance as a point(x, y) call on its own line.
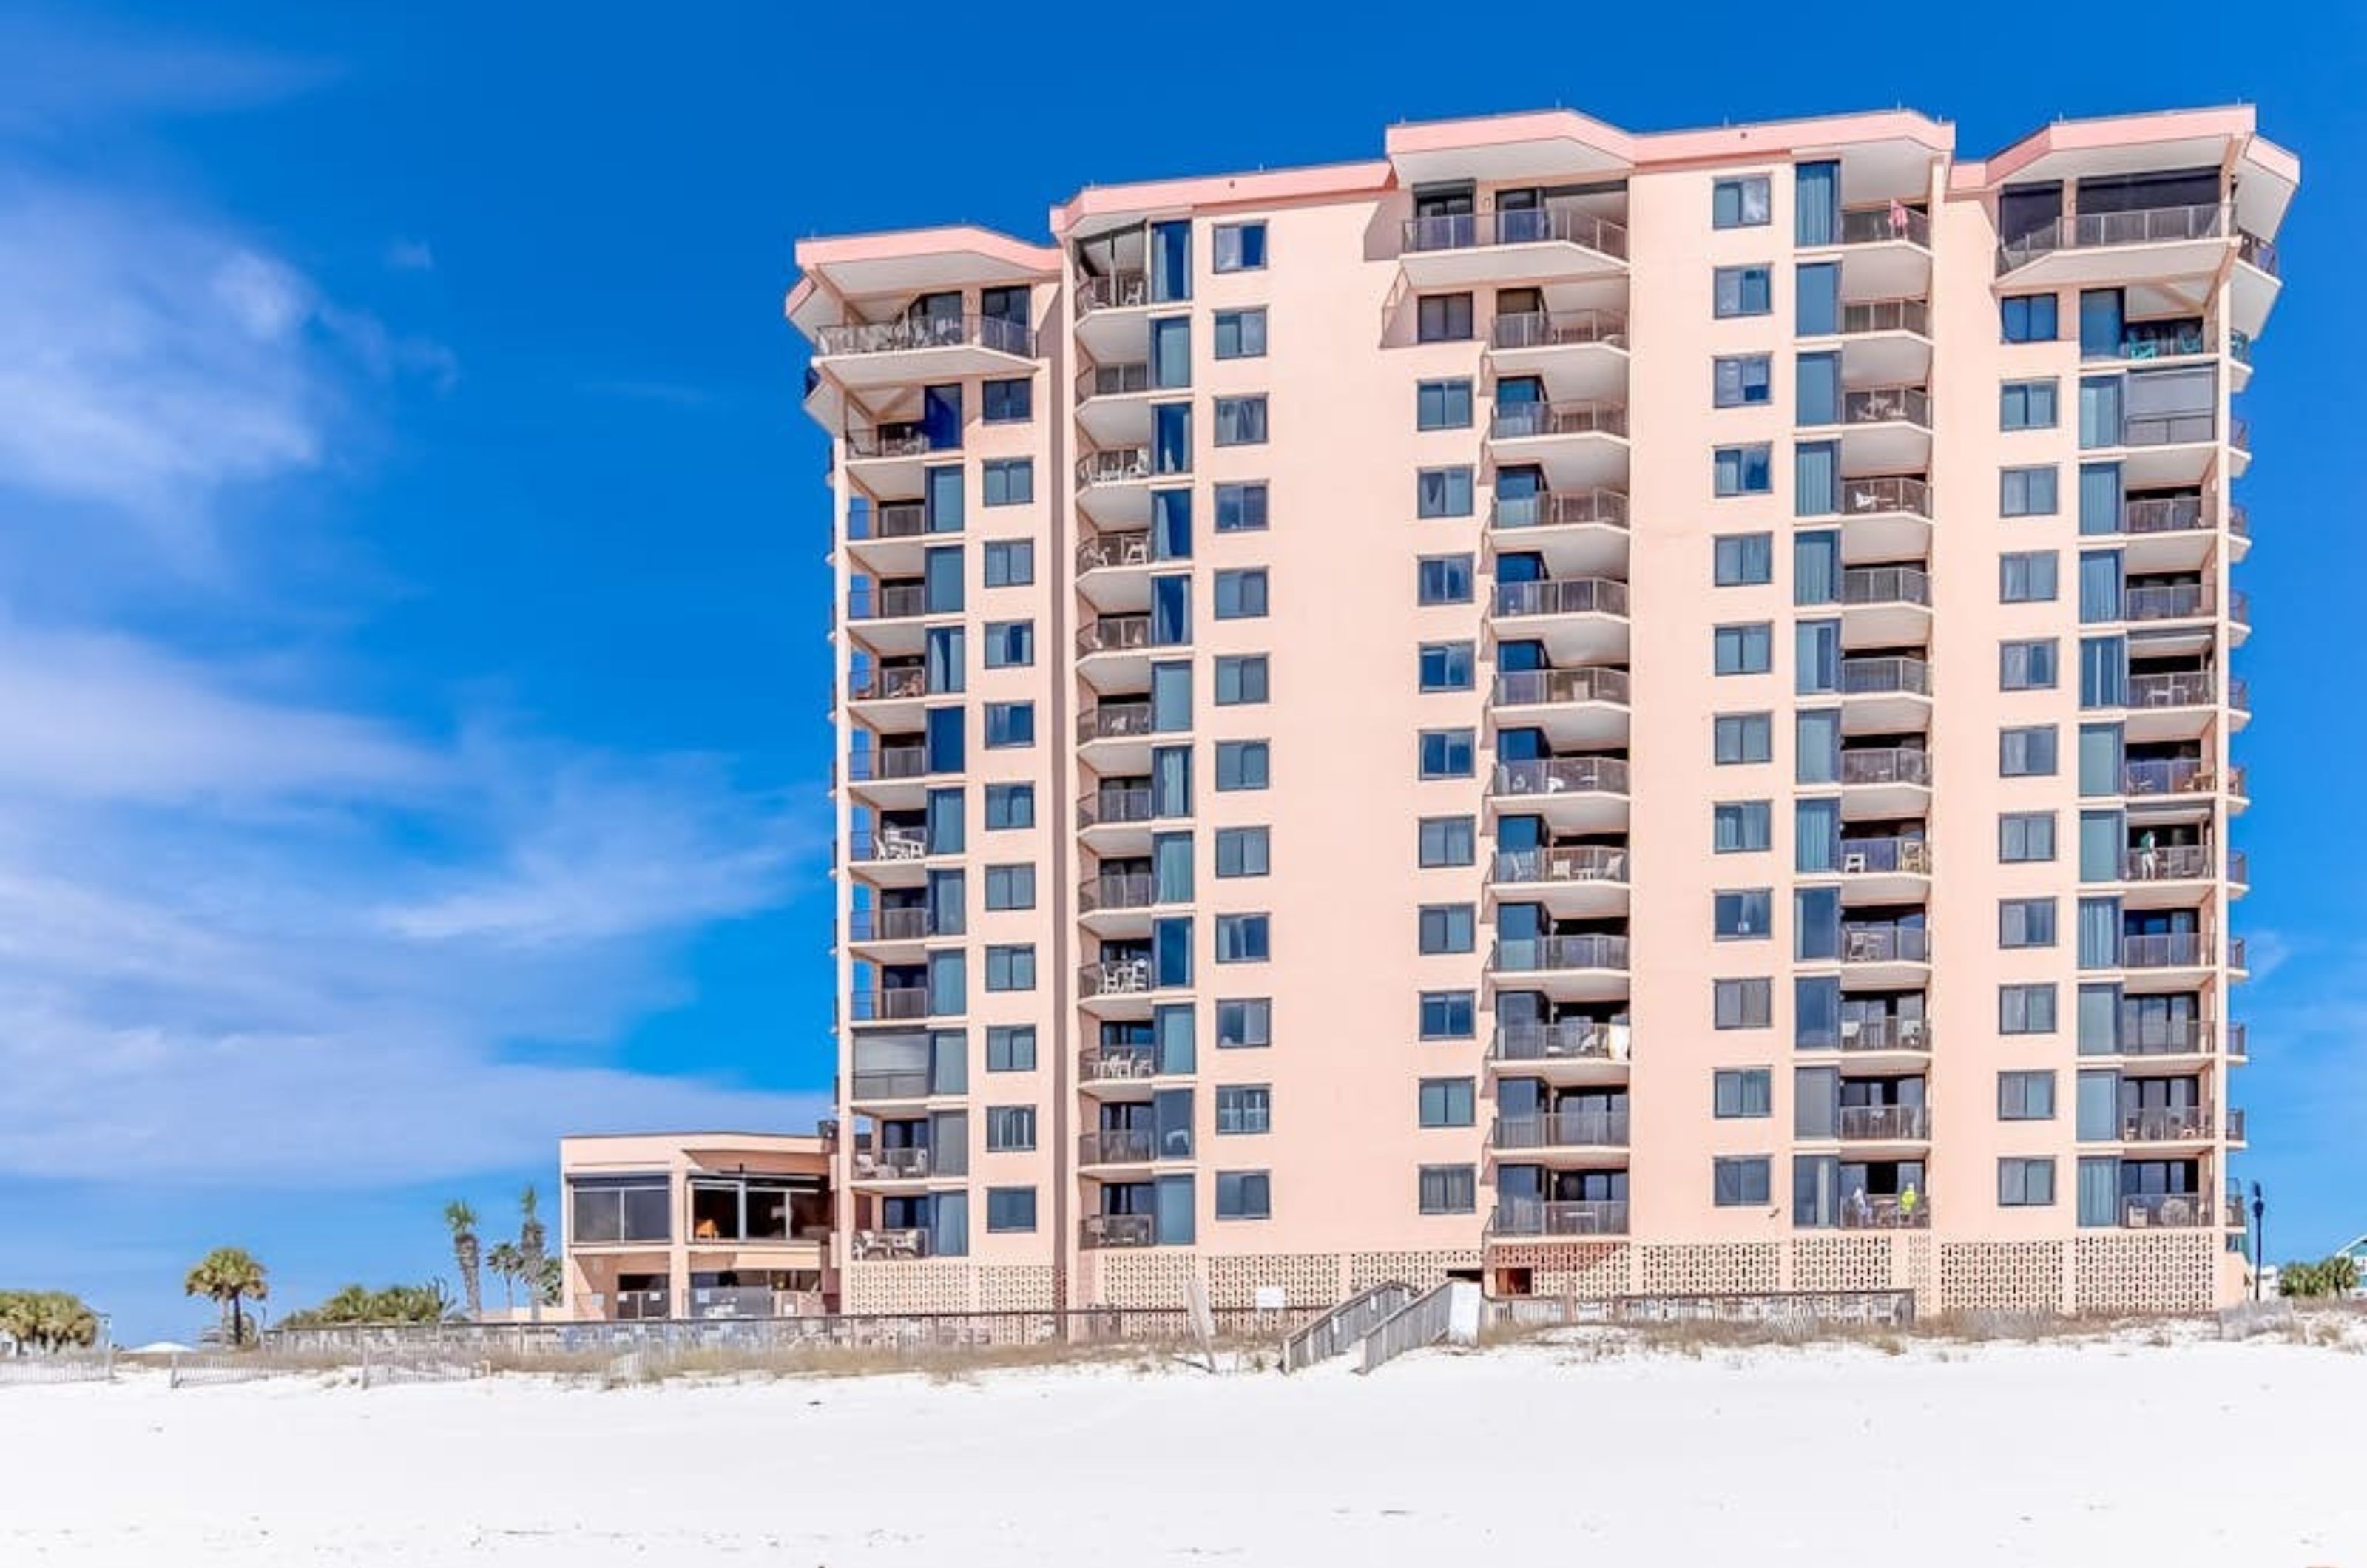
point(410, 256)
point(63, 70)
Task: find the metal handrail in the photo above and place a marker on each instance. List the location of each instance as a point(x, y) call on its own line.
point(886, 601)
point(1118, 1064)
point(882, 685)
point(2168, 1124)
point(2171, 1210)
point(2166, 950)
point(1114, 465)
point(887, 764)
point(1113, 977)
point(1891, 1033)
point(1136, 890)
point(1883, 1212)
point(2167, 602)
point(1570, 1040)
point(1536, 1216)
point(1593, 416)
point(887, 1244)
point(1885, 944)
point(1900, 315)
point(1558, 329)
point(1560, 508)
point(882, 1004)
point(1885, 854)
point(906, 439)
point(2167, 863)
point(1885, 673)
point(1113, 721)
point(1124, 1145)
point(1886, 764)
point(1888, 493)
point(1586, 1128)
point(1880, 225)
point(2169, 775)
point(904, 1163)
point(1885, 585)
point(2187, 429)
point(2145, 225)
point(2175, 339)
point(889, 845)
point(1887, 405)
point(891, 520)
point(1114, 634)
point(1132, 548)
point(928, 332)
point(2169, 1037)
point(1884, 1123)
point(2173, 689)
point(1114, 381)
point(1556, 775)
point(1113, 291)
point(1519, 226)
point(1563, 596)
point(2166, 514)
point(1106, 806)
point(1586, 683)
point(1097, 1231)
point(1562, 863)
point(898, 1085)
point(901, 924)
point(1529, 955)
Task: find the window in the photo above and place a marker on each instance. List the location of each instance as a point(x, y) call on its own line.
point(1447, 666)
point(1742, 738)
point(1742, 560)
point(1011, 1048)
point(1010, 1128)
point(1244, 1108)
point(1447, 753)
point(2026, 1010)
point(1007, 403)
point(1240, 247)
point(1739, 380)
point(1742, 1004)
point(1449, 1015)
point(1740, 203)
point(1447, 927)
point(1244, 1024)
point(2028, 318)
point(1443, 318)
point(1241, 764)
point(2026, 577)
point(1011, 1208)
point(2025, 1183)
point(2026, 493)
point(1244, 1194)
point(1008, 481)
point(1446, 1102)
point(1244, 851)
point(1240, 422)
point(1745, 470)
point(1443, 492)
point(1010, 563)
point(1442, 579)
point(2025, 1096)
point(1010, 805)
point(1011, 724)
point(1746, 649)
point(1448, 1190)
point(1443, 405)
point(1241, 680)
point(1742, 1092)
point(1010, 887)
point(1241, 508)
point(1447, 841)
point(1244, 939)
point(1010, 645)
point(1738, 1183)
point(2026, 666)
point(1741, 826)
point(2025, 837)
point(1742, 914)
point(1242, 594)
point(1240, 334)
point(1743, 290)
point(1011, 967)
point(2026, 405)
point(2027, 753)
point(2025, 922)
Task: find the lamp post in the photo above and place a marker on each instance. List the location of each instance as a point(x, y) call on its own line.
point(2259, 1238)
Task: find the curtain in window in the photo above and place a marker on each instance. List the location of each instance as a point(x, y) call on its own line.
point(2100, 323)
point(2100, 1107)
point(1817, 215)
point(1171, 352)
point(1170, 867)
point(2099, 576)
point(1817, 922)
point(2100, 411)
point(1817, 734)
point(1816, 298)
point(2180, 405)
point(1816, 1190)
point(1170, 261)
point(946, 898)
point(1170, 1121)
point(2099, 1020)
point(1174, 1037)
point(1815, 1102)
point(2103, 835)
point(1816, 478)
point(948, 983)
point(2100, 497)
point(1171, 524)
point(941, 573)
point(1817, 648)
point(1816, 567)
point(2103, 672)
point(1171, 438)
point(1171, 698)
point(2100, 1189)
point(943, 728)
point(2099, 933)
point(1170, 781)
point(942, 660)
point(1175, 1211)
point(1171, 950)
point(948, 1062)
point(2100, 758)
point(949, 1224)
point(1171, 611)
point(943, 488)
point(1816, 377)
point(944, 820)
point(1817, 835)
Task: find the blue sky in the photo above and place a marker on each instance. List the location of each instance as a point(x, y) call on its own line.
point(412, 681)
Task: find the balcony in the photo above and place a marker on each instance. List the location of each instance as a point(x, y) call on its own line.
point(1115, 977)
point(1516, 335)
point(1131, 1145)
point(896, 1245)
point(1885, 606)
point(1114, 721)
point(923, 349)
point(1098, 1232)
point(2167, 949)
point(1114, 381)
point(1584, 619)
point(1884, 1123)
point(2174, 689)
point(1866, 316)
point(888, 847)
point(1124, 290)
point(1114, 634)
point(1579, 532)
point(879, 685)
point(1561, 863)
point(889, 1088)
point(1877, 1035)
point(1111, 483)
point(2173, 1037)
point(2168, 863)
point(884, 764)
point(641, 1306)
point(1117, 1065)
point(2184, 337)
point(1886, 870)
point(1887, 405)
point(2157, 244)
point(1120, 892)
point(1586, 966)
point(1885, 783)
point(865, 927)
point(1895, 224)
point(2169, 602)
point(1517, 1217)
point(1885, 694)
point(2192, 428)
point(889, 539)
point(2169, 1125)
point(1115, 808)
point(1106, 552)
point(2174, 775)
point(899, 440)
point(888, 1004)
point(891, 1165)
point(868, 601)
point(1508, 246)
point(1574, 1043)
point(2173, 1211)
point(1585, 1127)
point(1883, 1212)
point(1532, 421)
point(1872, 945)
point(1885, 517)
point(1886, 493)
point(1575, 795)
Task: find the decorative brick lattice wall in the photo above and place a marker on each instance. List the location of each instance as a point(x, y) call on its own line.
point(1845, 1263)
point(1305, 1278)
point(1016, 1287)
point(2172, 1271)
point(1710, 1269)
point(906, 1287)
point(1420, 1270)
point(1588, 1270)
point(2002, 1276)
point(1152, 1277)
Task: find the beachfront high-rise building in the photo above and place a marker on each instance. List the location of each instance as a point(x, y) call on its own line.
point(1616, 713)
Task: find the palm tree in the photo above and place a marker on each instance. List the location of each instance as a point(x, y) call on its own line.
point(230, 1277)
point(18, 1317)
point(531, 1244)
point(462, 1219)
point(509, 1265)
point(61, 1320)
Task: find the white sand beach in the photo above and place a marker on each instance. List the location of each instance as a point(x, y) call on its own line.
point(2195, 1453)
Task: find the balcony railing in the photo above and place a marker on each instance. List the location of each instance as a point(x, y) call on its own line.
point(2169, 1037)
point(887, 763)
point(903, 1085)
point(1106, 806)
point(1521, 421)
point(886, 686)
point(1118, 1064)
point(2261, 252)
point(2167, 863)
point(1889, 674)
point(1884, 1123)
point(2166, 514)
point(1889, 854)
point(883, 1004)
point(642, 1306)
point(2166, 950)
point(2169, 429)
point(2168, 1124)
point(1113, 977)
point(1885, 1212)
point(1885, 944)
point(2144, 226)
point(2167, 602)
point(1886, 1034)
point(1113, 721)
point(891, 1165)
point(1095, 1232)
point(1563, 596)
point(890, 925)
point(1114, 381)
point(1587, 1127)
point(1571, 1040)
point(1888, 493)
point(1531, 1216)
point(1887, 405)
point(1113, 291)
point(1887, 315)
point(1880, 225)
point(1530, 955)
point(1558, 329)
point(905, 440)
point(1523, 226)
point(1114, 634)
point(866, 601)
point(2173, 689)
point(1114, 465)
point(1124, 1145)
point(1563, 863)
point(1560, 508)
point(2169, 776)
point(1121, 892)
point(2160, 340)
point(1886, 765)
point(1885, 585)
point(1115, 549)
point(888, 1246)
point(2171, 1210)
point(891, 520)
point(929, 331)
point(753, 1301)
point(1586, 683)
point(1563, 775)
point(2239, 433)
point(889, 845)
